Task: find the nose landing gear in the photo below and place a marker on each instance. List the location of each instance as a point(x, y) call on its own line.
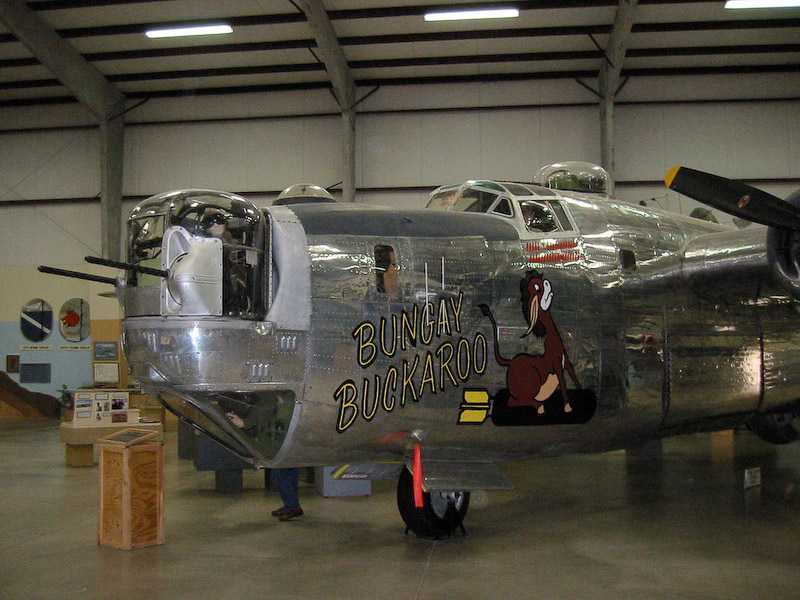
point(441, 515)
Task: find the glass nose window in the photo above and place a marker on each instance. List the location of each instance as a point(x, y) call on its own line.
point(236, 222)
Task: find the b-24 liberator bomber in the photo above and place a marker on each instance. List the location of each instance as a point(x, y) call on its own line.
point(527, 320)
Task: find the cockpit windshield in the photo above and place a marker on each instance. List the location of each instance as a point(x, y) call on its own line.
point(475, 200)
point(202, 216)
point(538, 216)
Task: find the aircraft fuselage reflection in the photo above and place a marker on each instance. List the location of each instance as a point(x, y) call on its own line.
point(281, 371)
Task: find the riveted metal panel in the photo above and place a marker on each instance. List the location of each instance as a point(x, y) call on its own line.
point(713, 373)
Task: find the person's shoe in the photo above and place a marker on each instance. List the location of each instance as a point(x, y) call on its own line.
point(279, 511)
point(291, 514)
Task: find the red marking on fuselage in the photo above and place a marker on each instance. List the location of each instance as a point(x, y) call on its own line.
point(553, 252)
point(395, 436)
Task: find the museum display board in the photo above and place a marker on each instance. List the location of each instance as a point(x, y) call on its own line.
point(102, 407)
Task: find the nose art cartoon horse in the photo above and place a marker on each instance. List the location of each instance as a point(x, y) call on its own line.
point(533, 379)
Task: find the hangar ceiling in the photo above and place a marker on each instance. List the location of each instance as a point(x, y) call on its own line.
point(387, 42)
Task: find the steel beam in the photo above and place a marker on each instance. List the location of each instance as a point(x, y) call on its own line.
point(344, 86)
point(112, 149)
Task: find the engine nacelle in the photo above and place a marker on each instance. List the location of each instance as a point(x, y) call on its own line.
point(775, 427)
point(783, 251)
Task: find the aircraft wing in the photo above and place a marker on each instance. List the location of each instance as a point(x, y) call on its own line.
point(446, 476)
point(437, 475)
point(747, 258)
point(730, 267)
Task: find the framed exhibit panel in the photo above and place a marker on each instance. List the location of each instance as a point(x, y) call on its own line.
point(12, 363)
point(106, 351)
point(106, 374)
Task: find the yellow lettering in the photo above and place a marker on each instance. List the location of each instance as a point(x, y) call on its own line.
point(457, 310)
point(364, 334)
point(409, 327)
point(463, 363)
point(408, 384)
point(427, 324)
point(443, 322)
point(346, 393)
point(365, 398)
point(391, 352)
point(444, 363)
point(479, 343)
point(452, 363)
point(427, 375)
point(391, 374)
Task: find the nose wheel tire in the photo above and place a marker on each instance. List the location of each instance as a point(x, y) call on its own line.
point(440, 516)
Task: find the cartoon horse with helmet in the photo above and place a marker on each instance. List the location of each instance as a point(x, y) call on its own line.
point(533, 379)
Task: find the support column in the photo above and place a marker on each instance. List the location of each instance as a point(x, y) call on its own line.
point(111, 170)
point(609, 81)
point(344, 87)
point(349, 155)
point(607, 158)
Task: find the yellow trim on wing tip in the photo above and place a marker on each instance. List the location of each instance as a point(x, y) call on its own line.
point(671, 175)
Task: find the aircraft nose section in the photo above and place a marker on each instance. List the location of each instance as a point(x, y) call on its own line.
point(235, 380)
point(213, 355)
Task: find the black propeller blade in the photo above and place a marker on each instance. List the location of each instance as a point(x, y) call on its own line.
point(735, 198)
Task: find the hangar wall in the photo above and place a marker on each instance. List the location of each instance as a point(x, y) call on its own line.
point(409, 140)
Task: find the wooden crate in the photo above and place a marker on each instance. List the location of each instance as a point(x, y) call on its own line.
point(131, 495)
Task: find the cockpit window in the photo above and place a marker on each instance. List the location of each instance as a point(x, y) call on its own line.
point(561, 215)
point(518, 189)
point(503, 208)
point(475, 201)
point(441, 199)
point(544, 217)
point(385, 270)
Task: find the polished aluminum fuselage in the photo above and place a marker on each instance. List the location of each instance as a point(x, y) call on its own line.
point(675, 324)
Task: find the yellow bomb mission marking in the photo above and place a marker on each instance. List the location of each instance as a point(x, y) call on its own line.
point(451, 362)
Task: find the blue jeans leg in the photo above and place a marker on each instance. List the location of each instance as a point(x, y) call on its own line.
point(288, 481)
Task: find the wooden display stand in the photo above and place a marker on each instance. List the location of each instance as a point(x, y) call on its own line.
point(131, 490)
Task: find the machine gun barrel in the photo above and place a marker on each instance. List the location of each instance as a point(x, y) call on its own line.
point(127, 266)
point(77, 275)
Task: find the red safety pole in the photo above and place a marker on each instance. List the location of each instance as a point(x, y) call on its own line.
point(417, 473)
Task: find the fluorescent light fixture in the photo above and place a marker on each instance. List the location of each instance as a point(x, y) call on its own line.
point(762, 3)
point(185, 31)
point(459, 15)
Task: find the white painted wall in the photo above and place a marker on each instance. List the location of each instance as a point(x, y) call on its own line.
point(406, 144)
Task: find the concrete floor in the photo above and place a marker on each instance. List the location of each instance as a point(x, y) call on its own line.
point(604, 526)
